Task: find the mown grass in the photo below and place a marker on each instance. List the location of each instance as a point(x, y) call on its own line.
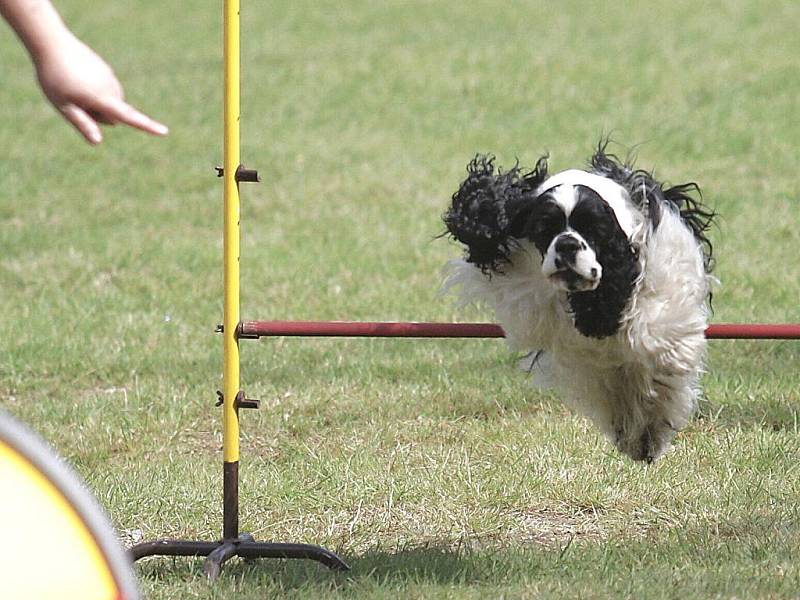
point(430, 465)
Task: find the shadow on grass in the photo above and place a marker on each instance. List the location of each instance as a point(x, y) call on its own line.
point(435, 565)
point(746, 556)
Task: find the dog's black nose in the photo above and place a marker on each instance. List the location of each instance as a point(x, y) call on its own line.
point(568, 246)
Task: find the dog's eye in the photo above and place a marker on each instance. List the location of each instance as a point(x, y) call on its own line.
point(547, 230)
point(592, 217)
point(544, 227)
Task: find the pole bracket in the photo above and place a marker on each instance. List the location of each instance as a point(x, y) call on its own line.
point(243, 402)
point(242, 174)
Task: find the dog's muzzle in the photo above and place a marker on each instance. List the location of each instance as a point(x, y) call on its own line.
point(571, 264)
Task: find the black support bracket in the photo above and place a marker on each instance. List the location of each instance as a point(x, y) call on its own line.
point(242, 174)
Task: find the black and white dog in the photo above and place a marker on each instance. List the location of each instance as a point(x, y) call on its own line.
point(603, 276)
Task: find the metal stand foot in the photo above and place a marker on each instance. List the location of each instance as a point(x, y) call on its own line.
point(214, 561)
point(244, 546)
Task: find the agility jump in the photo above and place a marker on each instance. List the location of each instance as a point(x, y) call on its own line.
point(232, 397)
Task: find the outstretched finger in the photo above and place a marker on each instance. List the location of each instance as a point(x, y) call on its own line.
point(118, 111)
point(84, 123)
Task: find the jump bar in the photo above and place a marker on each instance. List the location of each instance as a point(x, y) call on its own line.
point(257, 329)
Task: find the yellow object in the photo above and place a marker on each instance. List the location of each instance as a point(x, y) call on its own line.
point(230, 376)
point(48, 549)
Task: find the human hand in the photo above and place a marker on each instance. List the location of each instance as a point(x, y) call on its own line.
point(84, 89)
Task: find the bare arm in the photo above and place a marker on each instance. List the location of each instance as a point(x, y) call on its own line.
point(77, 81)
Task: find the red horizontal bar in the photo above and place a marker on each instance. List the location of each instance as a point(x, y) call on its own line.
point(256, 329)
point(754, 331)
point(248, 329)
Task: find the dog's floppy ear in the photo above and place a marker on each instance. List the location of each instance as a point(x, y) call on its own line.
point(521, 208)
point(688, 200)
point(652, 196)
point(486, 206)
point(685, 199)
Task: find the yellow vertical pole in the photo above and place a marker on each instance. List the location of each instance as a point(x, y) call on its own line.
point(230, 384)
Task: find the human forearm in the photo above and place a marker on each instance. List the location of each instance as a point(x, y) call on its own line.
point(37, 24)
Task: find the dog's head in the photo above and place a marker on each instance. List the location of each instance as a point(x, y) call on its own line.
point(581, 224)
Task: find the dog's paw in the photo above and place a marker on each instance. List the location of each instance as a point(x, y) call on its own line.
point(645, 444)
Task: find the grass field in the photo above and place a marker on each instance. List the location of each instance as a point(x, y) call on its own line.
point(430, 465)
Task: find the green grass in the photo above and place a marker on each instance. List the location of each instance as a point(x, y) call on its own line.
point(430, 465)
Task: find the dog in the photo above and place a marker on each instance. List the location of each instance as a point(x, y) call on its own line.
point(603, 277)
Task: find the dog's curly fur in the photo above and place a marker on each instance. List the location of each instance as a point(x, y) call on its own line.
point(485, 208)
point(603, 277)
